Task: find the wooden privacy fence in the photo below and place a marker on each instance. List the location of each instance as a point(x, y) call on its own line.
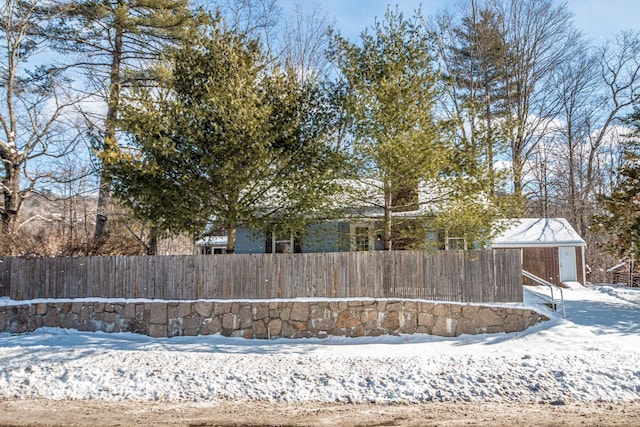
point(464, 276)
point(5, 276)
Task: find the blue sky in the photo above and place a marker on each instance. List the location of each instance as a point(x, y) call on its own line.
point(598, 19)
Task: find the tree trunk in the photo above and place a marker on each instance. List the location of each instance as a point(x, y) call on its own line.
point(517, 166)
point(104, 195)
point(152, 246)
point(387, 222)
point(104, 200)
point(492, 176)
point(489, 133)
point(572, 179)
point(231, 240)
point(12, 204)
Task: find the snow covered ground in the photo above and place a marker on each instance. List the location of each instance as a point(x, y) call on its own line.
point(592, 356)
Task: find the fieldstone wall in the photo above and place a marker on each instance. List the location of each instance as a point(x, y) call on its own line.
point(270, 319)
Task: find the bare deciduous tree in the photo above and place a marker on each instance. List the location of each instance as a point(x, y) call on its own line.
point(595, 92)
point(539, 35)
point(619, 64)
point(498, 57)
point(32, 115)
point(305, 43)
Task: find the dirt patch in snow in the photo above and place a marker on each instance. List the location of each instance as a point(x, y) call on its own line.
point(257, 414)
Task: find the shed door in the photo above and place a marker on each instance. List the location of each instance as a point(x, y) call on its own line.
point(568, 272)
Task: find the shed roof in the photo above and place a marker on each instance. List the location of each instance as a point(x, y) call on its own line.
point(537, 232)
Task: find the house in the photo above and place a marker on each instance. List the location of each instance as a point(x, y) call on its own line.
point(551, 249)
point(359, 226)
point(332, 236)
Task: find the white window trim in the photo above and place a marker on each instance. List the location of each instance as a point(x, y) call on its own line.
point(275, 241)
point(448, 238)
point(352, 233)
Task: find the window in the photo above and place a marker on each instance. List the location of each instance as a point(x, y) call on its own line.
point(362, 237)
point(212, 250)
point(210, 245)
point(456, 244)
point(281, 243)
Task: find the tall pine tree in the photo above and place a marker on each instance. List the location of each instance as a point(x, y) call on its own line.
point(118, 41)
point(479, 59)
point(389, 92)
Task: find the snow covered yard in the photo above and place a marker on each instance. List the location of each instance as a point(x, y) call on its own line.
point(593, 356)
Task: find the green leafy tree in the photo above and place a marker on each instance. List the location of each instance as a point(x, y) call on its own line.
point(227, 141)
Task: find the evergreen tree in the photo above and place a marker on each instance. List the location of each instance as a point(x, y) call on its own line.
point(622, 216)
point(225, 141)
point(477, 68)
point(118, 40)
point(389, 97)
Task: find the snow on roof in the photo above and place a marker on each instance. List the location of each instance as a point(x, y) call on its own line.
point(366, 197)
point(532, 232)
point(216, 241)
point(617, 267)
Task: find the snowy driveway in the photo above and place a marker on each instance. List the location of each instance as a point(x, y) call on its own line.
point(616, 311)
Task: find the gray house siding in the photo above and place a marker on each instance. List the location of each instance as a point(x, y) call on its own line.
point(326, 237)
point(250, 241)
point(322, 237)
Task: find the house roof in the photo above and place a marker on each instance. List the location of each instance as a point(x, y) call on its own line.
point(538, 232)
point(214, 241)
point(365, 198)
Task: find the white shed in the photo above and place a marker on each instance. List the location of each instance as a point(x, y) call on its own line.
point(551, 249)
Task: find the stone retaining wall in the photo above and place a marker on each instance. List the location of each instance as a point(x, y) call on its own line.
point(270, 319)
